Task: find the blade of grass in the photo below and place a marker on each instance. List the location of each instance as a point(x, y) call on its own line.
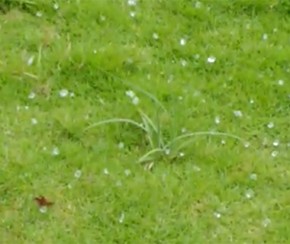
point(149, 131)
point(148, 94)
point(158, 134)
point(204, 133)
point(145, 157)
point(117, 120)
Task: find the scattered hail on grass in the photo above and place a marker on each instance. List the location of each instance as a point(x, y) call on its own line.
point(63, 93)
point(183, 130)
point(217, 215)
point(270, 125)
point(217, 120)
point(127, 172)
point(55, 151)
point(265, 37)
point(182, 42)
point(249, 194)
point(132, 2)
point(39, 14)
point(253, 176)
point(34, 121)
point(198, 4)
point(55, 6)
point(183, 62)
point(266, 222)
point(276, 143)
point(280, 82)
point(155, 36)
point(78, 174)
point(30, 60)
point(238, 113)
point(274, 154)
point(247, 144)
point(31, 95)
point(121, 145)
point(121, 218)
point(211, 59)
point(132, 95)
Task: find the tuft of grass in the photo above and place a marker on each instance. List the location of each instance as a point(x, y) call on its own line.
point(159, 148)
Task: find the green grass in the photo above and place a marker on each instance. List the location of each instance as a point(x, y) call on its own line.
point(225, 180)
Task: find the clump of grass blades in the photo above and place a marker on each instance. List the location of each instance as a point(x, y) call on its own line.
point(168, 149)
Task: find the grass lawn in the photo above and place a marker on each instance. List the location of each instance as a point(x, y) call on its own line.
point(150, 121)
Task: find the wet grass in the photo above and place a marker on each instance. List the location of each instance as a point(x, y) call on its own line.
point(177, 69)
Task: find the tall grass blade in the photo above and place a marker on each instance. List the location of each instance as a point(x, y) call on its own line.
point(148, 94)
point(157, 132)
point(204, 133)
point(117, 120)
point(147, 155)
